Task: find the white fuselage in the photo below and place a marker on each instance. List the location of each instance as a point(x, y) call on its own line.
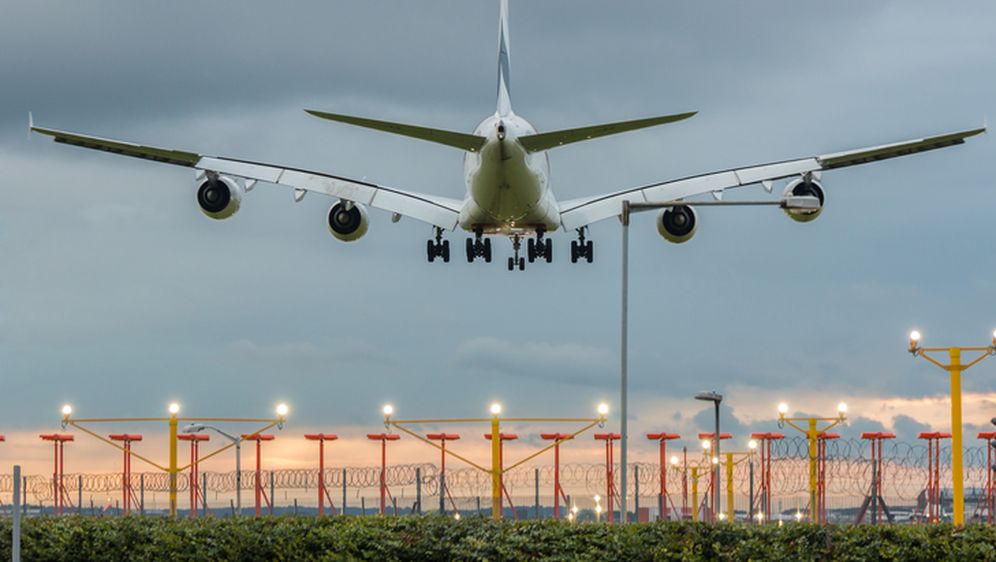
point(508, 188)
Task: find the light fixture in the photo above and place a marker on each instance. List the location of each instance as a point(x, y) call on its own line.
point(842, 408)
point(456, 516)
point(752, 444)
point(67, 410)
point(495, 408)
point(174, 408)
point(388, 409)
point(783, 408)
point(707, 444)
point(715, 460)
point(674, 460)
point(603, 409)
point(282, 410)
point(915, 336)
point(994, 338)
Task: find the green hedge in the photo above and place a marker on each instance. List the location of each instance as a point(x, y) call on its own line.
point(435, 538)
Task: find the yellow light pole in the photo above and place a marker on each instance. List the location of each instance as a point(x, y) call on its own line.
point(695, 493)
point(812, 432)
point(171, 468)
point(496, 461)
point(497, 469)
point(955, 368)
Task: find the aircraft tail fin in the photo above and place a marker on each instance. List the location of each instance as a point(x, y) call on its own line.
point(504, 84)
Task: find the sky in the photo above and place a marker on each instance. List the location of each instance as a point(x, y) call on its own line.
point(118, 296)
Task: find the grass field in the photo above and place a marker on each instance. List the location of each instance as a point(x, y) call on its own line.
point(435, 538)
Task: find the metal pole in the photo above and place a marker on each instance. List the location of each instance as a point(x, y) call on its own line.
point(957, 473)
point(238, 476)
point(715, 468)
point(343, 492)
point(536, 480)
point(141, 493)
point(273, 498)
point(321, 476)
point(172, 465)
point(79, 494)
point(811, 435)
point(730, 512)
point(750, 510)
point(623, 360)
point(495, 468)
point(204, 492)
point(636, 492)
point(418, 490)
point(15, 546)
point(874, 488)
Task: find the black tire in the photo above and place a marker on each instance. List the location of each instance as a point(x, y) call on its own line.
point(470, 250)
point(446, 251)
point(574, 251)
point(511, 264)
point(430, 250)
point(487, 250)
point(589, 251)
point(548, 251)
point(531, 250)
point(522, 264)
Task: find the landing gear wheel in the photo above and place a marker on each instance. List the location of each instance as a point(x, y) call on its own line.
point(446, 251)
point(511, 263)
point(471, 253)
point(522, 264)
point(574, 251)
point(548, 251)
point(430, 250)
point(589, 251)
point(531, 250)
point(487, 250)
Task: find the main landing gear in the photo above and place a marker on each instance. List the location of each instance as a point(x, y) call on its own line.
point(438, 248)
point(582, 249)
point(516, 262)
point(478, 247)
point(539, 248)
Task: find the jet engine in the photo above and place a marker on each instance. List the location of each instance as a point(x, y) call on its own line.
point(802, 187)
point(348, 221)
point(219, 197)
point(677, 224)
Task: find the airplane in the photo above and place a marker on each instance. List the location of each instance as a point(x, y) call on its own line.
point(507, 174)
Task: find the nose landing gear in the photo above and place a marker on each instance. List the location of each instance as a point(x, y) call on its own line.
point(516, 262)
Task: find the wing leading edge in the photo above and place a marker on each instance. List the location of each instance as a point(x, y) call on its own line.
point(581, 212)
point(438, 211)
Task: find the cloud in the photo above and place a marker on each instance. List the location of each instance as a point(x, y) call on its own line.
point(562, 362)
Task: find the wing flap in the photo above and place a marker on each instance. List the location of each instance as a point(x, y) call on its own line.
point(438, 211)
point(875, 153)
point(584, 211)
point(167, 155)
point(545, 141)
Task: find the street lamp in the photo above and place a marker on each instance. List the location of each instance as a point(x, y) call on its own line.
point(237, 441)
point(174, 408)
point(802, 203)
point(495, 408)
point(955, 368)
point(716, 398)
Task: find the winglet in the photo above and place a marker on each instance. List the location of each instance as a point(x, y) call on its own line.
point(31, 124)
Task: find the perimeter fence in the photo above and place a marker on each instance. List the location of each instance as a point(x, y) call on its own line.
point(415, 487)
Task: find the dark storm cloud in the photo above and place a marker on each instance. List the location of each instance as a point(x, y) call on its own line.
point(115, 290)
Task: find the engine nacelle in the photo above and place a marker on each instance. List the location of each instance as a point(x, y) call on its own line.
point(348, 221)
point(677, 224)
point(801, 187)
point(220, 197)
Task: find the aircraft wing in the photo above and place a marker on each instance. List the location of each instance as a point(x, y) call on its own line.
point(438, 211)
point(581, 212)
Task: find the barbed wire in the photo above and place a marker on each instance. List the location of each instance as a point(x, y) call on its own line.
point(848, 473)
